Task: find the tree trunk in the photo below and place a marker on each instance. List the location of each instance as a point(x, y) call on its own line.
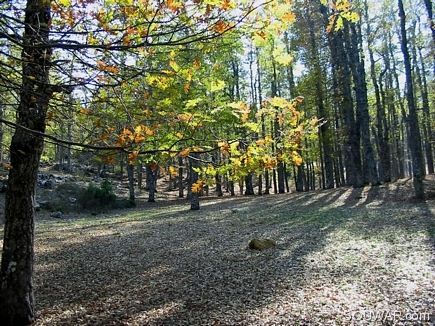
point(130, 175)
point(194, 199)
point(359, 79)
point(426, 123)
point(414, 130)
point(180, 177)
point(151, 181)
point(249, 186)
point(381, 121)
point(429, 9)
point(16, 276)
point(324, 130)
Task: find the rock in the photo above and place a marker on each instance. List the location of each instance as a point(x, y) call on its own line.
point(49, 184)
point(72, 200)
point(56, 214)
point(235, 210)
point(260, 244)
point(45, 204)
point(37, 207)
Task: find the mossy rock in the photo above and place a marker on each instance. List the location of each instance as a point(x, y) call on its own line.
point(260, 244)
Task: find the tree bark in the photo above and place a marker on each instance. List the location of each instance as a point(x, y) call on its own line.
point(151, 181)
point(414, 130)
point(16, 274)
point(324, 130)
point(359, 79)
point(130, 175)
point(194, 199)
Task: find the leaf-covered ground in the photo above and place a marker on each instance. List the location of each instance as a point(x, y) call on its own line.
point(343, 257)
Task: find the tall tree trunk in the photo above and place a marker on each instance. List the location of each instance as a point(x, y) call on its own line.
point(343, 95)
point(381, 121)
point(429, 9)
point(359, 79)
point(414, 130)
point(16, 274)
point(422, 86)
point(324, 130)
point(2, 112)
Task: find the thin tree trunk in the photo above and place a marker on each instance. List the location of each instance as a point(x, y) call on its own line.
point(180, 177)
point(194, 199)
point(130, 176)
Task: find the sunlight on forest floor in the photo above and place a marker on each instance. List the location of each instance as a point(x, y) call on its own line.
point(343, 257)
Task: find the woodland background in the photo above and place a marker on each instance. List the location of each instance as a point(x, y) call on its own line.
point(261, 96)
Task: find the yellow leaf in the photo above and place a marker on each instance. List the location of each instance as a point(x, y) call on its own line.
point(296, 158)
point(197, 186)
point(179, 135)
point(278, 102)
point(217, 85)
point(173, 171)
point(174, 65)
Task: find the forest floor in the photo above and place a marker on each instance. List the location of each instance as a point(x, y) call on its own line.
point(343, 257)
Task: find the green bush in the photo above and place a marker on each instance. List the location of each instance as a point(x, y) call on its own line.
point(98, 197)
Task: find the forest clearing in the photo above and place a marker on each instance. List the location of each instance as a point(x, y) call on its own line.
point(344, 256)
point(326, 104)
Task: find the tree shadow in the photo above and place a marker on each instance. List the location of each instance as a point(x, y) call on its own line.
point(183, 266)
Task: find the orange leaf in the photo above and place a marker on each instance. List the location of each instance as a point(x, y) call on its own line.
point(7, 166)
point(289, 17)
point(221, 26)
point(260, 142)
point(109, 159)
point(185, 152)
point(186, 88)
point(132, 156)
point(196, 63)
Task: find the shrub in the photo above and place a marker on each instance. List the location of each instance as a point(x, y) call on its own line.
point(98, 197)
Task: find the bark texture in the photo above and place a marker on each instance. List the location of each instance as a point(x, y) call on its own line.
point(16, 278)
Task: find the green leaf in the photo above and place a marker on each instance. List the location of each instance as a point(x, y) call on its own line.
point(339, 23)
point(217, 85)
